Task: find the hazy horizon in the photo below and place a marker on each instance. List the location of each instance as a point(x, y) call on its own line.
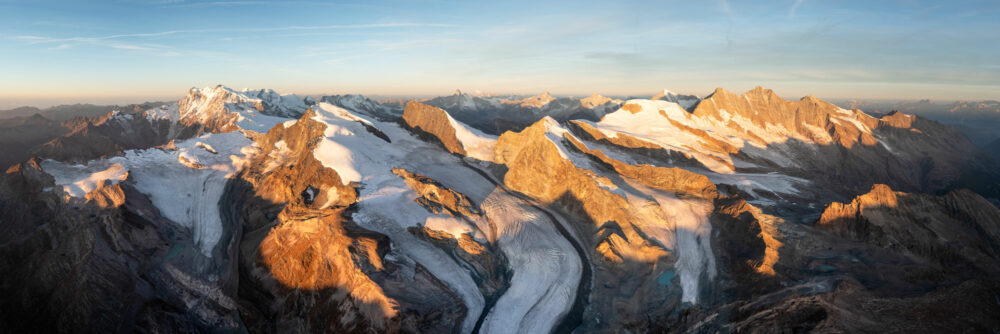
point(43, 103)
point(59, 52)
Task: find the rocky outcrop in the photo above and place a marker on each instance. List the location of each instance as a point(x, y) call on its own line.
point(437, 198)
point(675, 180)
point(432, 124)
point(106, 195)
point(489, 265)
point(108, 135)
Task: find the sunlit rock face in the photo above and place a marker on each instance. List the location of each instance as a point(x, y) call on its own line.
point(840, 151)
point(433, 122)
point(261, 212)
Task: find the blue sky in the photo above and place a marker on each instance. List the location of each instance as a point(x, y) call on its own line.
point(121, 50)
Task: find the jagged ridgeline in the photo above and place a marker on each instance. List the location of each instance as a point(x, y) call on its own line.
point(232, 211)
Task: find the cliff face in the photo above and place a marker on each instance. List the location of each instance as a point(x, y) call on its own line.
point(958, 230)
point(102, 262)
point(433, 122)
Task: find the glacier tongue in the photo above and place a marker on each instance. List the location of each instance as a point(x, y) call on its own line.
point(545, 273)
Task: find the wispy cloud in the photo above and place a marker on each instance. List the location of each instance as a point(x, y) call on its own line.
point(795, 7)
point(40, 39)
point(180, 4)
point(68, 43)
point(115, 41)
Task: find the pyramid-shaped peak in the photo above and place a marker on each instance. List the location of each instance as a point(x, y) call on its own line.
point(665, 94)
point(720, 92)
point(812, 98)
point(761, 91)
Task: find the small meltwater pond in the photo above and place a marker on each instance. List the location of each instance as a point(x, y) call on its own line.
point(666, 278)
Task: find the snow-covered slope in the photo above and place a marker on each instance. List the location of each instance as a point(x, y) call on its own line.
point(220, 109)
point(685, 101)
point(185, 183)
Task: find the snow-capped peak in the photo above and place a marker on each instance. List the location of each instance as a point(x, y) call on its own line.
point(685, 101)
point(595, 100)
point(221, 109)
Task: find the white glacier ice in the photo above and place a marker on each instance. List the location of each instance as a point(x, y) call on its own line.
point(185, 184)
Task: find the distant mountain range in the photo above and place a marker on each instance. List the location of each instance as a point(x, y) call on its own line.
point(978, 120)
point(70, 111)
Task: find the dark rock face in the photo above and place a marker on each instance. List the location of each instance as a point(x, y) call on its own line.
point(102, 265)
point(959, 230)
point(20, 134)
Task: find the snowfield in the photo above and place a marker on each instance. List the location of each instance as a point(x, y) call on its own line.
point(185, 184)
point(78, 180)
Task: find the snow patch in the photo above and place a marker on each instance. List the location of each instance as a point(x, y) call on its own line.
point(78, 180)
point(476, 143)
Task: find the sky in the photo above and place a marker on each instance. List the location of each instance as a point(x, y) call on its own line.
point(125, 51)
